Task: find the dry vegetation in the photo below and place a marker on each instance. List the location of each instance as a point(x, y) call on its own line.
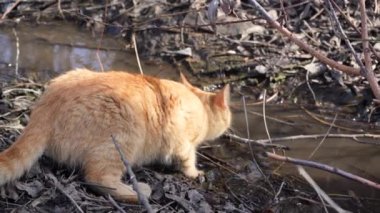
point(318, 54)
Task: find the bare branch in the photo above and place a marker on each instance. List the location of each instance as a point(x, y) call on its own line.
point(371, 78)
point(348, 20)
point(316, 136)
point(9, 9)
point(256, 142)
point(367, 73)
point(324, 167)
point(113, 202)
point(320, 192)
point(303, 45)
point(140, 195)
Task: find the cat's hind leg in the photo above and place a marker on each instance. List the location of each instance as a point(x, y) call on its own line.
point(106, 179)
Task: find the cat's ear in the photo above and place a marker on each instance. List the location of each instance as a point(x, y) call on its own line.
point(222, 97)
point(184, 80)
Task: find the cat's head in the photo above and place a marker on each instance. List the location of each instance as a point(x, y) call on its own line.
point(217, 106)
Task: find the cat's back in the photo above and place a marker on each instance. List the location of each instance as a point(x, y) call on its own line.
point(85, 87)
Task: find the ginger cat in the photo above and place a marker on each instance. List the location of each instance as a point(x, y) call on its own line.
point(152, 120)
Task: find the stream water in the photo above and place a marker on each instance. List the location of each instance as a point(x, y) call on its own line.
point(45, 51)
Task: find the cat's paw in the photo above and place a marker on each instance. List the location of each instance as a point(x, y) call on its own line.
point(144, 189)
point(193, 173)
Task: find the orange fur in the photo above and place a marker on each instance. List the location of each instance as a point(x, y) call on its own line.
point(152, 120)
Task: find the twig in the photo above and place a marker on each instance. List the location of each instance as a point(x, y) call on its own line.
point(303, 45)
point(247, 126)
point(9, 9)
point(309, 86)
point(279, 191)
point(137, 53)
point(99, 43)
point(320, 192)
point(275, 95)
point(255, 142)
point(324, 167)
point(316, 136)
point(60, 188)
point(371, 78)
point(368, 74)
point(223, 167)
point(140, 195)
point(164, 206)
point(60, 8)
point(237, 198)
point(265, 118)
point(354, 27)
point(17, 52)
point(320, 197)
point(250, 147)
point(323, 139)
point(115, 204)
point(315, 116)
point(237, 107)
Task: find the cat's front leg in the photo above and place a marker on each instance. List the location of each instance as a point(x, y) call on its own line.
point(187, 155)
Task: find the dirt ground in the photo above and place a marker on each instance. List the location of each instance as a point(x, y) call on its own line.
point(237, 47)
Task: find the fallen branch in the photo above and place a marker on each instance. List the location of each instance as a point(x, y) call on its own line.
point(324, 167)
point(323, 139)
point(59, 186)
point(365, 71)
point(371, 78)
point(316, 136)
point(9, 9)
point(348, 20)
point(113, 202)
point(143, 200)
point(303, 45)
point(320, 192)
point(256, 142)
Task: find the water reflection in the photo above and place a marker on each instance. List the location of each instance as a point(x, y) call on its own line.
point(46, 51)
point(6, 49)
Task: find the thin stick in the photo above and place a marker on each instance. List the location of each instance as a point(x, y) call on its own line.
point(60, 188)
point(320, 192)
point(371, 78)
point(315, 116)
point(316, 136)
point(221, 166)
point(143, 200)
point(264, 117)
point(367, 73)
point(309, 86)
point(354, 27)
point(99, 43)
point(250, 147)
point(237, 107)
point(323, 139)
point(9, 9)
point(255, 142)
point(69, 197)
point(303, 45)
point(115, 204)
point(17, 52)
point(247, 126)
point(60, 9)
point(137, 53)
point(324, 167)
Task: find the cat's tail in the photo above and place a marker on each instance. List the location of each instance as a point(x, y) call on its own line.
point(22, 154)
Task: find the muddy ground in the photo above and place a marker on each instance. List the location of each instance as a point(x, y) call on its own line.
point(240, 49)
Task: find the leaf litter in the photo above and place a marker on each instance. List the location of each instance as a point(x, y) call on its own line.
point(49, 187)
point(244, 52)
